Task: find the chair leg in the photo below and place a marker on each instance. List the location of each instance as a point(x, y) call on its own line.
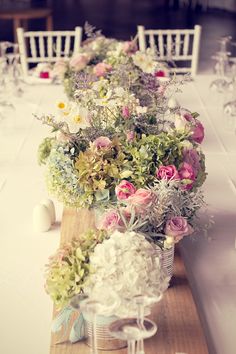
point(16, 24)
point(49, 23)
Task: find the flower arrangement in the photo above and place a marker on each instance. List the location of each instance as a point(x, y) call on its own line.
point(102, 57)
point(119, 147)
point(125, 265)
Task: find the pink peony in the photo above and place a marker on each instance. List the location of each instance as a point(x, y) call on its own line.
point(124, 190)
point(167, 172)
point(101, 69)
point(130, 135)
point(198, 132)
point(130, 47)
point(186, 172)
point(141, 200)
point(192, 157)
point(79, 61)
point(110, 221)
point(178, 227)
point(102, 142)
point(125, 112)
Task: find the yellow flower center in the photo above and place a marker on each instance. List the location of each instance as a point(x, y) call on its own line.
point(61, 105)
point(78, 119)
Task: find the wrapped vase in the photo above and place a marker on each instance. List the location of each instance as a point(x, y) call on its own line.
point(166, 258)
point(104, 339)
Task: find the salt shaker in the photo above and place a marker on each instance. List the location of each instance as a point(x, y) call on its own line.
point(50, 205)
point(41, 218)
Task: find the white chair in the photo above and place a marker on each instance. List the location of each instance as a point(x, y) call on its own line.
point(178, 45)
point(46, 46)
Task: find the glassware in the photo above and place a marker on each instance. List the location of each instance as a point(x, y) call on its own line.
point(129, 330)
point(143, 301)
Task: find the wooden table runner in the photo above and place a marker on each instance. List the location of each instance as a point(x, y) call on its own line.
point(179, 329)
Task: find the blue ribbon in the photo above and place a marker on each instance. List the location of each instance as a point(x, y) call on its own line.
point(77, 331)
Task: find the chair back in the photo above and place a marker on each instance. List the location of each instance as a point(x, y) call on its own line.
point(47, 46)
point(180, 46)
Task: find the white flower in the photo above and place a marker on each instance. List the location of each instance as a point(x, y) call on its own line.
point(75, 116)
point(124, 266)
point(145, 61)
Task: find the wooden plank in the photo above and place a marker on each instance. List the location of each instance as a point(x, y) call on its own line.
point(179, 328)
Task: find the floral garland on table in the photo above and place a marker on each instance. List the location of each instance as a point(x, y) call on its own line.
point(118, 147)
point(101, 57)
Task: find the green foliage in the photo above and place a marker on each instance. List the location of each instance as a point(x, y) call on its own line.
point(44, 150)
point(68, 270)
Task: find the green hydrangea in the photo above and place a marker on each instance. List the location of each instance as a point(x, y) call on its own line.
point(68, 270)
point(44, 150)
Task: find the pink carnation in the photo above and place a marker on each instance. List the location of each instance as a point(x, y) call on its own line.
point(141, 200)
point(110, 221)
point(178, 227)
point(167, 172)
point(102, 142)
point(124, 190)
point(101, 69)
point(198, 132)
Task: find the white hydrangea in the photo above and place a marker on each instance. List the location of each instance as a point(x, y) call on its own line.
point(124, 266)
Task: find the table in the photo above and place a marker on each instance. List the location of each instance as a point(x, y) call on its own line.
point(211, 266)
point(20, 17)
point(179, 329)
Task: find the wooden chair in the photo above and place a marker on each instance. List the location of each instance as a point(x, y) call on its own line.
point(180, 46)
point(20, 17)
point(46, 46)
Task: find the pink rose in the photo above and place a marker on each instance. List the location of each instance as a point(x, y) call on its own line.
point(102, 142)
point(186, 172)
point(79, 61)
point(178, 227)
point(192, 157)
point(167, 172)
point(130, 135)
point(110, 221)
point(130, 47)
point(124, 190)
point(198, 132)
point(141, 200)
point(101, 69)
point(125, 112)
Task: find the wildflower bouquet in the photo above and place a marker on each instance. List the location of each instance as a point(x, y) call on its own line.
point(101, 57)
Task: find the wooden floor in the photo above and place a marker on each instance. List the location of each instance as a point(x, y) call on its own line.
point(179, 328)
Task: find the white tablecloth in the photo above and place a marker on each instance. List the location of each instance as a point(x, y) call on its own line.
point(25, 309)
